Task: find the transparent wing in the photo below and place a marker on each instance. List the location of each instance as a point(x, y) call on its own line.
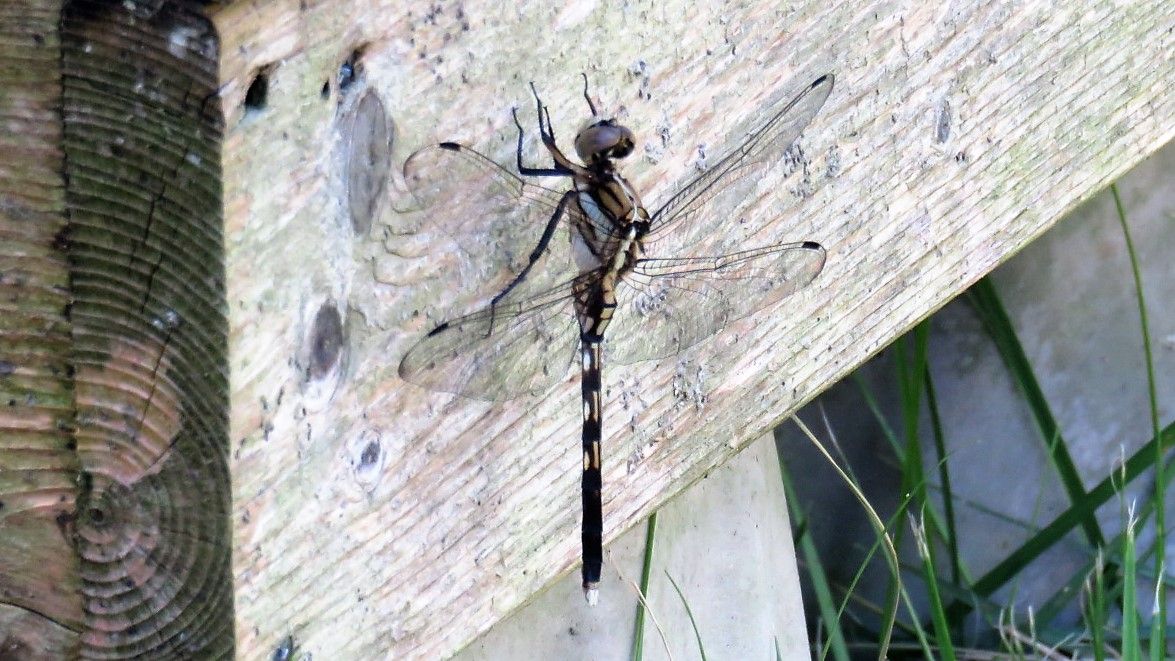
point(500, 352)
point(463, 180)
point(490, 214)
point(732, 178)
point(666, 305)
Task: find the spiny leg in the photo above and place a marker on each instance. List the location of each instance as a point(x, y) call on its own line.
point(544, 242)
point(556, 171)
point(563, 166)
point(588, 96)
point(547, 131)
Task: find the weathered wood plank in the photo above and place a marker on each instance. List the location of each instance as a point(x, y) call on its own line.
point(372, 516)
point(149, 334)
point(40, 604)
point(114, 487)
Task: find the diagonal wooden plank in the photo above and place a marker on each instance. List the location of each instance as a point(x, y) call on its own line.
point(374, 517)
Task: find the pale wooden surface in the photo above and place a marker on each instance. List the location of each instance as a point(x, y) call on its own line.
point(725, 541)
point(953, 137)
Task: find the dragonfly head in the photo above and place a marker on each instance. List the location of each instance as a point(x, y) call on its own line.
point(603, 140)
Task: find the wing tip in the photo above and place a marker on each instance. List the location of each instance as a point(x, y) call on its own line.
point(826, 79)
point(451, 146)
point(812, 245)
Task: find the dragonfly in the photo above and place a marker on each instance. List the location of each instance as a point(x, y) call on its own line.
point(569, 265)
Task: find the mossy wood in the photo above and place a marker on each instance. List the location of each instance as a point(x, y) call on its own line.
point(206, 284)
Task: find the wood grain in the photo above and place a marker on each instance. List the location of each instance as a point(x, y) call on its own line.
point(149, 332)
point(374, 517)
point(40, 605)
point(208, 350)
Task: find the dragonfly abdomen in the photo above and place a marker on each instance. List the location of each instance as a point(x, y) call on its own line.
point(592, 482)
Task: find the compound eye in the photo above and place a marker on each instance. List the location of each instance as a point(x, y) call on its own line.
point(623, 148)
point(604, 139)
point(624, 142)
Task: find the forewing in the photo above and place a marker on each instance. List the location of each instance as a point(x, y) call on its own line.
point(499, 352)
point(732, 178)
point(494, 216)
point(666, 305)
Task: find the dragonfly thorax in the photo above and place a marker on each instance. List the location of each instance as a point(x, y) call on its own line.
point(613, 229)
point(611, 208)
point(602, 141)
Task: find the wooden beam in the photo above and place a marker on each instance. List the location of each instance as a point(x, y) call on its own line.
point(114, 487)
point(416, 519)
point(144, 237)
point(40, 602)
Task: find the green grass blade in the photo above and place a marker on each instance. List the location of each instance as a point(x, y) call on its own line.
point(638, 641)
point(1158, 644)
point(982, 296)
point(1051, 534)
point(825, 602)
point(875, 409)
point(910, 373)
point(690, 613)
point(1131, 645)
point(910, 369)
point(951, 536)
point(1096, 610)
point(942, 631)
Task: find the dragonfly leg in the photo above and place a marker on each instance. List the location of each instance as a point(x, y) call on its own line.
point(588, 96)
point(562, 166)
point(535, 172)
point(544, 242)
point(546, 131)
